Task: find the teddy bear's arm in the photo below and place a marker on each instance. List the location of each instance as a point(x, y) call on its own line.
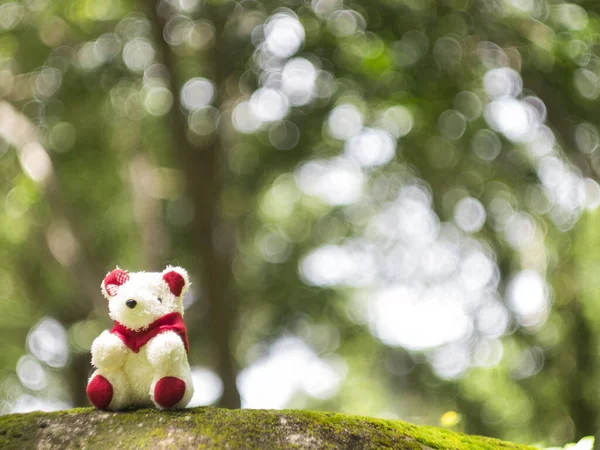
point(166, 350)
point(108, 351)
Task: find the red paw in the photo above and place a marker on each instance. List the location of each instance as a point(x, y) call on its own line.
point(168, 391)
point(100, 392)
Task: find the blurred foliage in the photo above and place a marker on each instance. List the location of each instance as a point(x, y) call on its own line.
point(388, 207)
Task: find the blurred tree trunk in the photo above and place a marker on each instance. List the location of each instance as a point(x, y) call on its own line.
point(575, 362)
point(582, 406)
point(578, 356)
point(202, 170)
point(148, 213)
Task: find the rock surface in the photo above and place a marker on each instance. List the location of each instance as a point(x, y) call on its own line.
point(214, 428)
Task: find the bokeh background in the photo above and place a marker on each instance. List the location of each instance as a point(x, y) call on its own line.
point(387, 207)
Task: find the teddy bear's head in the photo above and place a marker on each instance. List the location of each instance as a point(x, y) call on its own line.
point(137, 299)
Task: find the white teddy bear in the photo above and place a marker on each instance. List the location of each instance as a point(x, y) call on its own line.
point(143, 359)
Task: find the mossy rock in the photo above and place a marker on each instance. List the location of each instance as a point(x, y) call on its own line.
point(214, 428)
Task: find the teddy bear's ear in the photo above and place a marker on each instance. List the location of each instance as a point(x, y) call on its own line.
point(177, 279)
point(112, 281)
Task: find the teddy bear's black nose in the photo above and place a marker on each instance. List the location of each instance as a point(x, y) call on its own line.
point(131, 303)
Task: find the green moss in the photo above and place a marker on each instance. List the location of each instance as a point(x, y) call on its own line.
point(214, 428)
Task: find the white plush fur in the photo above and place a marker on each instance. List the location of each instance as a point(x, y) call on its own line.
point(145, 288)
point(133, 375)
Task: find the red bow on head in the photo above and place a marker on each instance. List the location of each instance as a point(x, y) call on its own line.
point(137, 339)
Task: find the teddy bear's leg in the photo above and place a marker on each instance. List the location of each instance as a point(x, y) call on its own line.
point(108, 390)
point(189, 390)
point(171, 386)
point(172, 391)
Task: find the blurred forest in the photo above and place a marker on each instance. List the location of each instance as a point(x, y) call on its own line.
point(387, 207)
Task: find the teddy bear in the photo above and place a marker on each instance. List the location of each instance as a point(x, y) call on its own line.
point(142, 361)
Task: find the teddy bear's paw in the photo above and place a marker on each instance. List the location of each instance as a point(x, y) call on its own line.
point(108, 351)
point(168, 391)
point(99, 392)
point(166, 351)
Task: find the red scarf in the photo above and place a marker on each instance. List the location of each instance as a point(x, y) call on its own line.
point(137, 339)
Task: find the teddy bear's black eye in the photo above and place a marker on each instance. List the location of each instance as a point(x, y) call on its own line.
point(159, 299)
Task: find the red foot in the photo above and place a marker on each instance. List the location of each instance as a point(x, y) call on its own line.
point(168, 391)
point(100, 392)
